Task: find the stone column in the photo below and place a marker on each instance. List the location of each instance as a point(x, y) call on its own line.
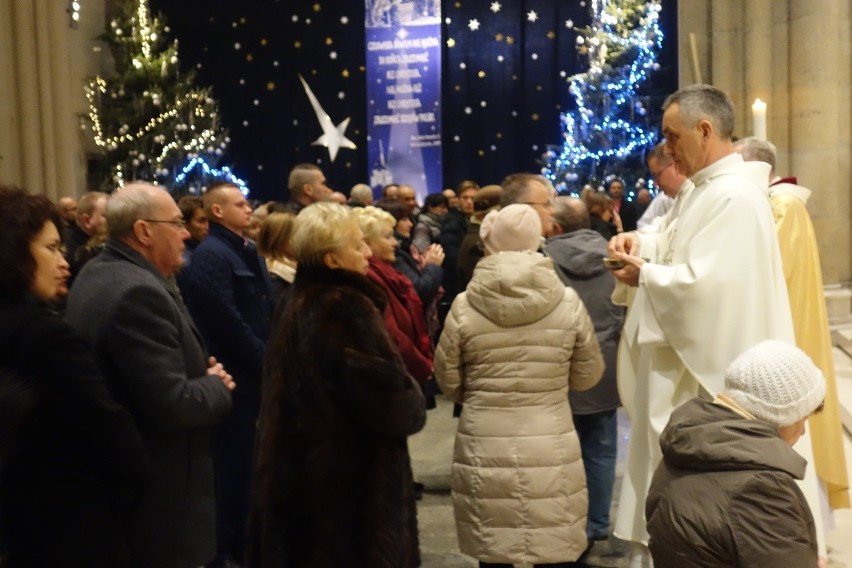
point(759, 62)
point(820, 124)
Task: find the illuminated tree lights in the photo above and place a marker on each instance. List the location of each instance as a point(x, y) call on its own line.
point(150, 119)
point(609, 124)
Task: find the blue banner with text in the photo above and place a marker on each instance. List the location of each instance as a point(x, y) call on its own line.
point(404, 94)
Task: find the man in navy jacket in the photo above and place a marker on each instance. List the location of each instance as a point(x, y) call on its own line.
point(229, 298)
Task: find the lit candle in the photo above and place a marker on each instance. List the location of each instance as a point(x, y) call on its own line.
point(758, 115)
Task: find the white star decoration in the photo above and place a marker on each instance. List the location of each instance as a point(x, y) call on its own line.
point(473, 25)
point(332, 137)
point(344, 20)
point(495, 7)
point(333, 55)
point(532, 16)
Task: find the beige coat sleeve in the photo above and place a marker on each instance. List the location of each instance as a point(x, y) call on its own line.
point(447, 363)
point(587, 364)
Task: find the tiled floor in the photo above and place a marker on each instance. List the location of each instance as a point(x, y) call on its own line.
point(431, 454)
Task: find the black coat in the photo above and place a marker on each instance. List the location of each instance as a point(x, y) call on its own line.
point(154, 363)
point(72, 463)
point(332, 478)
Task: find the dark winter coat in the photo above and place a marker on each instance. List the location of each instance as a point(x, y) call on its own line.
point(579, 255)
point(152, 359)
point(231, 303)
point(72, 463)
point(725, 494)
point(405, 318)
point(453, 230)
point(332, 484)
point(426, 282)
point(75, 240)
point(471, 252)
point(606, 230)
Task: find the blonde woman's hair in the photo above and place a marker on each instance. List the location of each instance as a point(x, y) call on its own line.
point(275, 232)
point(321, 228)
point(374, 221)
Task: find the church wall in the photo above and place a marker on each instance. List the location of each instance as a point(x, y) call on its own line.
point(795, 56)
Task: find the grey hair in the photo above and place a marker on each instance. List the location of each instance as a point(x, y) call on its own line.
point(571, 214)
point(700, 102)
point(362, 193)
point(132, 203)
point(757, 150)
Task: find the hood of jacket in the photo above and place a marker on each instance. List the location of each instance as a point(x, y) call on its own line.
point(705, 436)
point(515, 288)
point(579, 253)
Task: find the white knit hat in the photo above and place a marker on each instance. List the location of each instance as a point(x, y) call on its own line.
point(515, 227)
point(776, 382)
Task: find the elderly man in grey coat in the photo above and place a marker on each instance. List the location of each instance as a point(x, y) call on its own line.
point(577, 251)
point(125, 303)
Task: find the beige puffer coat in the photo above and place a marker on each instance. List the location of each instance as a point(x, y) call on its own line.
point(511, 347)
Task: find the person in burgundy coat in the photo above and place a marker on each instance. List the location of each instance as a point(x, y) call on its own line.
point(404, 314)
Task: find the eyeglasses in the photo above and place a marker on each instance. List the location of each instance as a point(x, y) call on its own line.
point(548, 203)
point(659, 173)
point(181, 225)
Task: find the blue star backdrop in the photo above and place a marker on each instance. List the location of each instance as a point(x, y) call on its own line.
point(505, 70)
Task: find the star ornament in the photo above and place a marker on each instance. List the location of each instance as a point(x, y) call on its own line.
point(532, 16)
point(495, 7)
point(473, 25)
point(332, 137)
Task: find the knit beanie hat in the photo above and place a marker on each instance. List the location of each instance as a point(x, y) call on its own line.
point(776, 382)
point(515, 227)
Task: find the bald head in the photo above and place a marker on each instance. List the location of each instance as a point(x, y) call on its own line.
point(67, 209)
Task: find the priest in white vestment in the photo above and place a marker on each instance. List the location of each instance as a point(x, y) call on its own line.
point(708, 286)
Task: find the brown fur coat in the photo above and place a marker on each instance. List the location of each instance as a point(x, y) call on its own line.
point(332, 478)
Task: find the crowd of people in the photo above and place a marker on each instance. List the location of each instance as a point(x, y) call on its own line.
point(207, 383)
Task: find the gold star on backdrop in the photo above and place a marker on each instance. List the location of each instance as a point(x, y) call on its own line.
point(328, 41)
point(499, 135)
point(242, 20)
point(451, 42)
point(317, 7)
point(345, 73)
point(551, 35)
point(458, 87)
point(362, 68)
point(263, 41)
point(249, 57)
point(297, 44)
point(510, 40)
point(535, 116)
point(457, 4)
point(499, 37)
point(480, 152)
point(270, 86)
point(481, 74)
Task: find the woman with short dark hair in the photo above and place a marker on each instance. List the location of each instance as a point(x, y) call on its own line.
point(71, 460)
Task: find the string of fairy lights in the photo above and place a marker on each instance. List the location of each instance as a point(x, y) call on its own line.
point(604, 124)
point(178, 122)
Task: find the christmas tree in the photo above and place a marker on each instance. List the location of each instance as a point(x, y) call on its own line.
point(607, 133)
point(151, 120)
